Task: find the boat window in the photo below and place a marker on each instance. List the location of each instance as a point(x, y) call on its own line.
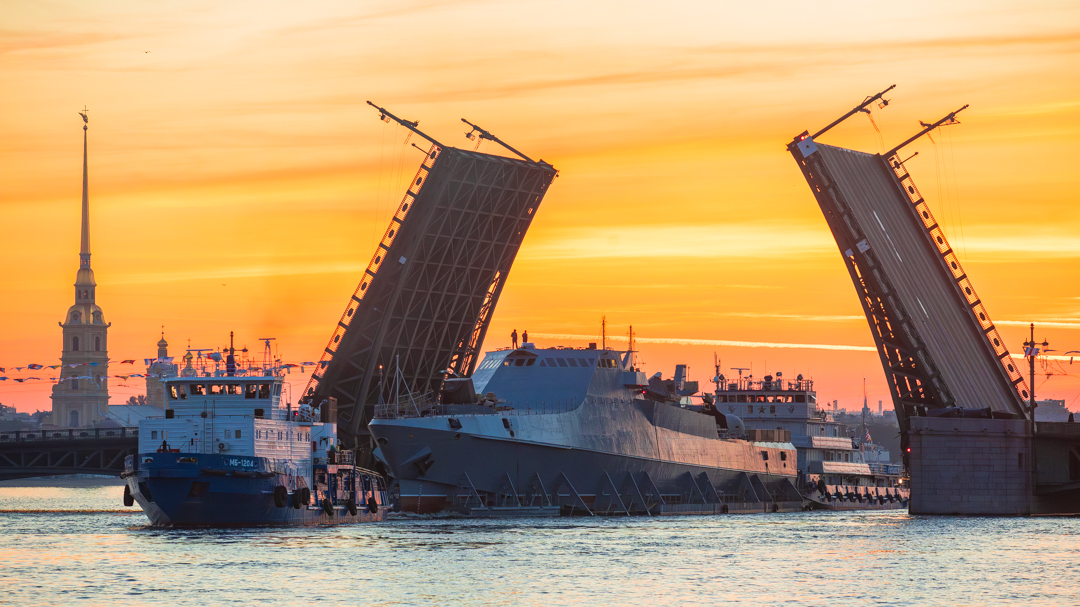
point(530, 362)
point(251, 390)
point(277, 389)
point(585, 362)
point(722, 398)
point(800, 398)
point(572, 361)
point(506, 363)
point(279, 435)
point(216, 389)
point(772, 409)
point(520, 362)
point(172, 391)
point(543, 362)
point(232, 388)
point(562, 362)
point(198, 390)
point(181, 391)
point(264, 390)
point(740, 398)
point(237, 434)
point(153, 434)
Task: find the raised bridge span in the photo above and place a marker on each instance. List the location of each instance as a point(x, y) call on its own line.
point(968, 435)
point(938, 346)
point(423, 305)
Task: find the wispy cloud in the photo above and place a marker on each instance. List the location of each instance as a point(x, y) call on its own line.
point(714, 342)
point(806, 317)
point(237, 272)
point(710, 240)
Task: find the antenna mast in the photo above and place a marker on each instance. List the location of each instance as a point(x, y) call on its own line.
point(384, 114)
point(483, 134)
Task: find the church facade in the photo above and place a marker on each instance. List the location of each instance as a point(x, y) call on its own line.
point(81, 397)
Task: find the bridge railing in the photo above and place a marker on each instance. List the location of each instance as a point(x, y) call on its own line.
point(66, 434)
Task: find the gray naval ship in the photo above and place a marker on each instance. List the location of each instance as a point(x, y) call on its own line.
point(548, 431)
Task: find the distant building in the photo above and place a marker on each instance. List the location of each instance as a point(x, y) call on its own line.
point(156, 368)
point(81, 397)
point(129, 416)
point(1051, 410)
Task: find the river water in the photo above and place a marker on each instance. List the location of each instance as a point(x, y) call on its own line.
point(72, 546)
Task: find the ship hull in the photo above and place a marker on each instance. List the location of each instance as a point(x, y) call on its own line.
point(548, 464)
point(216, 492)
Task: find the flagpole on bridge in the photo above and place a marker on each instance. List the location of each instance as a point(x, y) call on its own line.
point(1030, 352)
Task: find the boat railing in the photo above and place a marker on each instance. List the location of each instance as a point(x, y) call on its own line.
point(431, 408)
point(889, 469)
point(775, 385)
point(63, 434)
point(407, 406)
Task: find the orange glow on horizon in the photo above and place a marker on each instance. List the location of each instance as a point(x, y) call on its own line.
point(238, 181)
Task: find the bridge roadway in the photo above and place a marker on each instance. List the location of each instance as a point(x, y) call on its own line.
point(916, 271)
point(29, 453)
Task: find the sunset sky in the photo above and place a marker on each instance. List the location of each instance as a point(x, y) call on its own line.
point(238, 181)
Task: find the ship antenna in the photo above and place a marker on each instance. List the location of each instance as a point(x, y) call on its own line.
point(603, 332)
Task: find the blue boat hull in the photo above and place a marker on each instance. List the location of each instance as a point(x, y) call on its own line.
point(218, 490)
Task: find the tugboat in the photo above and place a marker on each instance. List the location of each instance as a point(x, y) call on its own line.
point(231, 451)
point(836, 471)
point(550, 431)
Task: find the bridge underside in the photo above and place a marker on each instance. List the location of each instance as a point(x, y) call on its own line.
point(55, 457)
point(936, 341)
point(425, 301)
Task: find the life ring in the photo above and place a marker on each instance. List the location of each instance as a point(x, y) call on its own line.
point(327, 506)
point(281, 496)
point(372, 505)
point(351, 505)
point(129, 499)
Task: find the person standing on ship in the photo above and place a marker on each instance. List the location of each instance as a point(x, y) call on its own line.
point(513, 337)
point(524, 337)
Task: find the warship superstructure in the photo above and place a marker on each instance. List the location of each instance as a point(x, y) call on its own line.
point(575, 430)
point(230, 450)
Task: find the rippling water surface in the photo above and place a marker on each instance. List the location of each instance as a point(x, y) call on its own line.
point(64, 546)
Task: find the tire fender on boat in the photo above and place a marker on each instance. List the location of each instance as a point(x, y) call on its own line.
point(351, 506)
point(305, 496)
point(372, 505)
point(129, 499)
point(281, 496)
point(328, 506)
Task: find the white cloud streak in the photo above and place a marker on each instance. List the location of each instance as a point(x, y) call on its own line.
point(713, 342)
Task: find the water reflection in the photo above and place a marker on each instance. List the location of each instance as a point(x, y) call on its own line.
point(886, 557)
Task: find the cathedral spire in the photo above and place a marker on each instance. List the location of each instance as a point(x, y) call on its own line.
point(84, 251)
point(85, 285)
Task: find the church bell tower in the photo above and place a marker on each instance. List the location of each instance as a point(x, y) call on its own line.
point(81, 397)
